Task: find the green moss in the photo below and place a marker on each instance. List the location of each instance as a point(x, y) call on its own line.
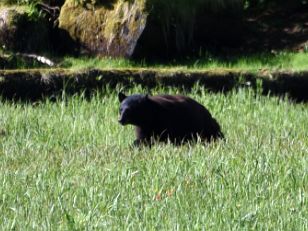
point(22, 30)
point(109, 30)
point(120, 14)
point(80, 22)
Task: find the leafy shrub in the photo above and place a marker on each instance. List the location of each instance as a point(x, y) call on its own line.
point(20, 2)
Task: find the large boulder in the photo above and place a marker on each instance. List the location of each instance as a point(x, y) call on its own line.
point(150, 28)
point(108, 28)
point(21, 32)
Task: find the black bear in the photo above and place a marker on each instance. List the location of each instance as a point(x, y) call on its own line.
point(167, 117)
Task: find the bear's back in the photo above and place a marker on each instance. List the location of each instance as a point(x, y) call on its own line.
point(179, 104)
point(179, 113)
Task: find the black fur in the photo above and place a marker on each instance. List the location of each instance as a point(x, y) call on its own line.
point(166, 117)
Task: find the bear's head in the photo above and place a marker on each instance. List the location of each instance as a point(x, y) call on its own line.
point(133, 109)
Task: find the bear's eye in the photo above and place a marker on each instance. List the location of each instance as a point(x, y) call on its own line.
point(124, 109)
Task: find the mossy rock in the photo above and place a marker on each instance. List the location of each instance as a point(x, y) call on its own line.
point(20, 32)
point(111, 29)
point(150, 28)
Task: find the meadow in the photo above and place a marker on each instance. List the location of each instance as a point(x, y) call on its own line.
point(280, 61)
point(68, 165)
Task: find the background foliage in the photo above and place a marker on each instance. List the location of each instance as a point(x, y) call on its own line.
point(212, 4)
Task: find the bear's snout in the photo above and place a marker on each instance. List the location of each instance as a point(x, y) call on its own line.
point(125, 116)
point(123, 121)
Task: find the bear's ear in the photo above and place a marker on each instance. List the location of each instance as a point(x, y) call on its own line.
point(121, 96)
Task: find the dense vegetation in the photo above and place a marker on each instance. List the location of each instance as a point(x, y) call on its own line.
point(217, 3)
point(182, 27)
point(68, 165)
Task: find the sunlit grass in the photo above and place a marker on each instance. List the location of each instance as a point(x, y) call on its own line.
point(68, 165)
point(279, 61)
point(282, 61)
point(102, 63)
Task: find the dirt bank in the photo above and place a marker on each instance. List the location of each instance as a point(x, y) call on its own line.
point(37, 83)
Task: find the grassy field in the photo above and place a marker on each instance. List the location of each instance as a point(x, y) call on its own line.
point(263, 61)
point(68, 165)
point(282, 61)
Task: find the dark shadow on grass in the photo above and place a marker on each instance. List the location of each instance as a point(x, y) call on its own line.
point(35, 85)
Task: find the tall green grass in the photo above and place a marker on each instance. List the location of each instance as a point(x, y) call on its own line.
point(88, 63)
point(263, 61)
point(68, 165)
